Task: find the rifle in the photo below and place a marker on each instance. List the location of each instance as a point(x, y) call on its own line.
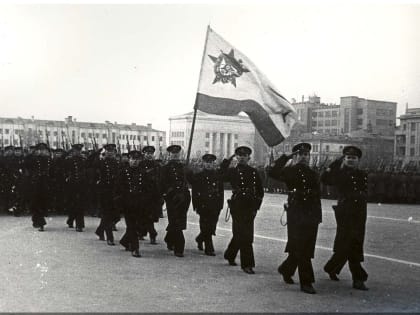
point(95, 145)
point(62, 140)
point(314, 161)
point(118, 146)
point(46, 137)
point(128, 145)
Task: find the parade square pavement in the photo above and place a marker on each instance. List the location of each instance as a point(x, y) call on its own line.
point(61, 270)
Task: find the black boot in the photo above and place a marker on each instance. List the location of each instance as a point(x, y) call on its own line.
point(209, 248)
point(101, 235)
point(359, 285)
point(286, 278)
point(231, 261)
point(199, 242)
point(153, 240)
point(307, 288)
point(135, 253)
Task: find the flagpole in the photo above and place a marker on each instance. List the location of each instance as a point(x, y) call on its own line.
point(195, 103)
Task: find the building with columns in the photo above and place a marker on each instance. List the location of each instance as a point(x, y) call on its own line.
point(407, 136)
point(215, 134)
point(61, 134)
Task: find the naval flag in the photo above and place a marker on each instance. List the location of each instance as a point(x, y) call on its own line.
point(230, 83)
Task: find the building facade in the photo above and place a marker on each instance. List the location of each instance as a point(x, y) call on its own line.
point(353, 114)
point(407, 136)
point(325, 148)
point(61, 134)
point(218, 135)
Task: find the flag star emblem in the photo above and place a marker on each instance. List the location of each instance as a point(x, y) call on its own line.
point(227, 68)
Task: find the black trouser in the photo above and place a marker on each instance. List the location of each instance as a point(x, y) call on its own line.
point(130, 239)
point(208, 222)
point(39, 203)
point(304, 266)
point(108, 214)
point(175, 239)
point(243, 237)
point(150, 228)
point(337, 262)
point(76, 204)
point(207, 239)
point(177, 221)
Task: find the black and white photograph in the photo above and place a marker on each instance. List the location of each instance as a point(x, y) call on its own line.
point(210, 156)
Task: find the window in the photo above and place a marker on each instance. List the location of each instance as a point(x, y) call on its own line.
point(359, 122)
point(328, 114)
point(160, 139)
point(334, 113)
point(145, 138)
point(400, 139)
point(314, 114)
point(97, 135)
point(359, 111)
point(333, 122)
point(327, 148)
point(90, 135)
point(153, 138)
point(381, 122)
point(235, 145)
point(82, 134)
point(104, 136)
point(236, 137)
point(404, 127)
point(320, 123)
point(334, 132)
point(413, 126)
point(327, 123)
point(315, 148)
point(1, 130)
point(55, 133)
point(412, 152)
point(207, 144)
point(321, 114)
point(6, 131)
point(207, 135)
point(313, 123)
point(6, 141)
point(413, 139)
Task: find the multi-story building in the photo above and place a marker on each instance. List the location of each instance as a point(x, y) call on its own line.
point(353, 114)
point(367, 123)
point(61, 134)
point(215, 134)
point(407, 136)
point(325, 148)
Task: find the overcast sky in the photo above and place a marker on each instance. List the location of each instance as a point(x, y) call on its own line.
point(140, 62)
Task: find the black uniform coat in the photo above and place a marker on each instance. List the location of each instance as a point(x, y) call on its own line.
point(207, 191)
point(304, 205)
point(247, 196)
point(350, 211)
point(174, 189)
point(151, 172)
